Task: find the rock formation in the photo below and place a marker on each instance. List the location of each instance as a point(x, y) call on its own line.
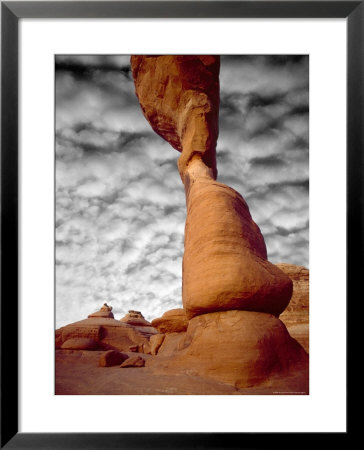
point(105, 311)
point(106, 333)
point(135, 318)
point(155, 342)
point(296, 315)
point(232, 295)
point(225, 259)
point(133, 361)
point(112, 358)
point(242, 348)
point(172, 321)
point(229, 332)
point(179, 96)
point(79, 343)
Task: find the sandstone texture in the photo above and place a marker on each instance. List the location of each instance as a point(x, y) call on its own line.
point(79, 373)
point(155, 342)
point(241, 348)
point(133, 361)
point(104, 314)
point(80, 343)
point(112, 358)
point(135, 318)
point(296, 315)
point(180, 97)
point(172, 343)
point(172, 321)
point(225, 260)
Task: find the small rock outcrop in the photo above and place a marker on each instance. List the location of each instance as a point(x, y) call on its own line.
point(112, 358)
point(105, 311)
point(133, 361)
point(135, 318)
point(172, 321)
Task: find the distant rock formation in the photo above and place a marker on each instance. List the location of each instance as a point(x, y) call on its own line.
point(135, 318)
point(106, 333)
point(296, 315)
point(105, 311)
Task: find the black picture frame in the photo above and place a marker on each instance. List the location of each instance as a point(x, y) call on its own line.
point(11, 13)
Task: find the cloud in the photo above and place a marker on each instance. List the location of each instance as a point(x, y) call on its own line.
point(120, 204)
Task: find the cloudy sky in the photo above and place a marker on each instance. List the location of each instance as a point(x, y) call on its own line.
point(120, 205)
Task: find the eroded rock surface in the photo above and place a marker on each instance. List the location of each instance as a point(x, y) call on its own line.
point(135, 318)
point(105, 311)
point(155, 342)
point(180, 97)
point(241, 348)
point(296, 315)
point(133, 361)
point(112, 358)
point(107, 333)
point(172, 321)
point(79, 343)
point(225, 261)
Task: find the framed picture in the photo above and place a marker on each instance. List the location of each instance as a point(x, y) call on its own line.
point(52, 56)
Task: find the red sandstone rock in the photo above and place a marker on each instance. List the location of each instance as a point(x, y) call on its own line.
point(242, 348)
point(225, 261)
point(146, 348)
point(172, 321)
point(136, 322)
point(296, 315)
point(133, 361)
point(179, 96)
point(79, 344)
point(112, 358)
point(110, 334)
point(104, 314)
point(135, 318)
point(105, 311)
point(171, 344)
point(155, 342)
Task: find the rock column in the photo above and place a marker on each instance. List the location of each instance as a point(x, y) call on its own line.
point(225, 264)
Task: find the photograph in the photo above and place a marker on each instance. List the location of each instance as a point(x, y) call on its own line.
point(181, 224)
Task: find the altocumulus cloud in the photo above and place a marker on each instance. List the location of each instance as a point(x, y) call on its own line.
point(120, 206)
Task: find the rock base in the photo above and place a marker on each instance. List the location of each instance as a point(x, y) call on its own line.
point(241, 348)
